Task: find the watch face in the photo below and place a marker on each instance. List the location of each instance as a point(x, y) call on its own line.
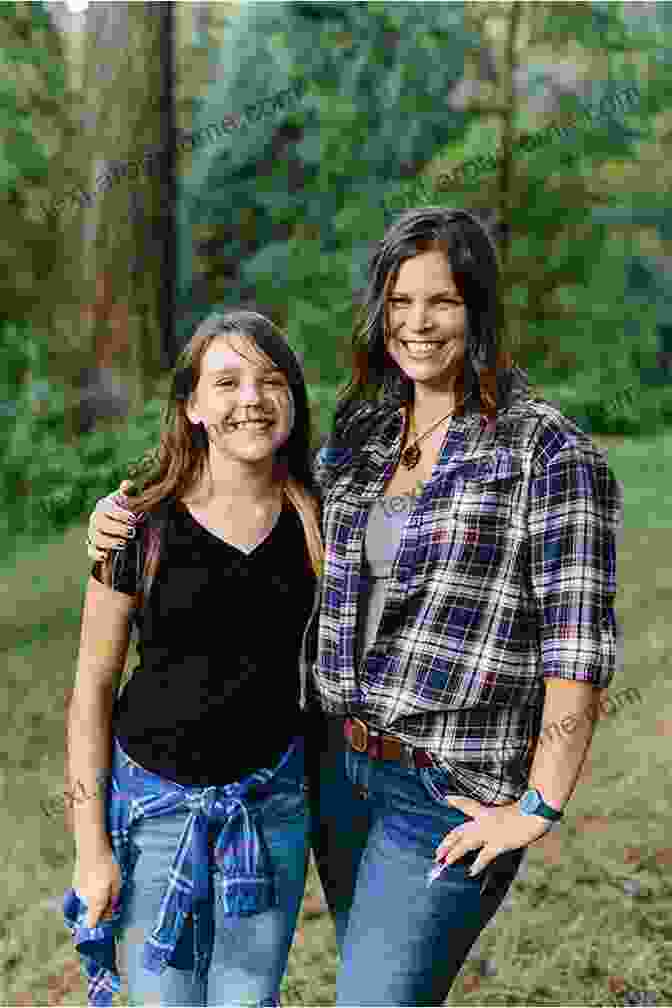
point(530, 801)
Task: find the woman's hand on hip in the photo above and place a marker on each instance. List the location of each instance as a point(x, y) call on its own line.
point(109, 525)
point(494, 829)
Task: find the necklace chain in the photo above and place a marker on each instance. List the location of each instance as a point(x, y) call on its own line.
point(411, 455)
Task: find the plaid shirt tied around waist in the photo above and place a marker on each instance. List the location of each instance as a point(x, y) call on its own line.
point(247, 882)
point(505, 576)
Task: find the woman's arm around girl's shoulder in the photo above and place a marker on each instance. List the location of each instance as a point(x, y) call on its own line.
point(110, 523)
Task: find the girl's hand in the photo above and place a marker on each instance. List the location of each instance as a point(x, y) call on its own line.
point(97, 879)
point(110, 527)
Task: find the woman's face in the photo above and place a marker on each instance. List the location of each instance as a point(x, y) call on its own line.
point(426, 321)
point(233, 391)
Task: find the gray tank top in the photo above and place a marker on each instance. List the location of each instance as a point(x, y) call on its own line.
point(381, 544)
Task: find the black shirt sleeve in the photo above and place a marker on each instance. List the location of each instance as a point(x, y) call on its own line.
point(127, 567)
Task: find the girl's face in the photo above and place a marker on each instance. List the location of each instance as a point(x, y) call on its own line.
point(232, 394)
point(426, 317)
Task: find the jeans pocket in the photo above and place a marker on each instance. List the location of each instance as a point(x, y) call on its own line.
point(438, 782)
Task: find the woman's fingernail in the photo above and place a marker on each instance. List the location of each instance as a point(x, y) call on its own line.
point(434, 873)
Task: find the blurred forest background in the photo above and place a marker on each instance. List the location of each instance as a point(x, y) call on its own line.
point(99, 290)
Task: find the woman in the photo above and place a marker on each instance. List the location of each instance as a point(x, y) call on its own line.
point(196, 855)
point(455, 626)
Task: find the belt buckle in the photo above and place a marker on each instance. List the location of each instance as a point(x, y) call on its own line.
point(359, 735)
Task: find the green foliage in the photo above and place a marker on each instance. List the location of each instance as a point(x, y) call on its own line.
point(318, 310)
point(291, 207)
point(102, 459)
point(288, 208)
point(292, 212)
point(35, 130)
point(47, 482)
point(636, 410)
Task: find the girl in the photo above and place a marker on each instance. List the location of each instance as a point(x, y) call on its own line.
point(453, 631)
point(205, 744)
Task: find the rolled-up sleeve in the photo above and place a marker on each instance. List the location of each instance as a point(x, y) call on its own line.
point(574, 516)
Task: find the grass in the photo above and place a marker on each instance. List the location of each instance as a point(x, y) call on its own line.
point(572, 935)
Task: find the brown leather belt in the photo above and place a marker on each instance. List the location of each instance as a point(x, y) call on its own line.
point(387, 747)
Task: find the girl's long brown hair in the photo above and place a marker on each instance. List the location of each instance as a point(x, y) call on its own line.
point(182, 456)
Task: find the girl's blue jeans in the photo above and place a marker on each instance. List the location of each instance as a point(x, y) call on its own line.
point(250, 952)
point(375, 828)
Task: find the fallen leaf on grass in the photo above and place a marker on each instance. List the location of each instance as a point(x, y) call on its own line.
point(69, 980)
point(55, 990)
point(24, 998)
point(72, 974)
point(471, 983)
point(664, 727)
point(592, 823)
point(314, 906)
point(664, 857)
point(632, 854)
point(617, 984)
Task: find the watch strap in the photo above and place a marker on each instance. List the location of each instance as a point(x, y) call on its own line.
point(542, 809)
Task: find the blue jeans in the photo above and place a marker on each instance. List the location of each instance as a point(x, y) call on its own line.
point(250, 953)
point(375, 828)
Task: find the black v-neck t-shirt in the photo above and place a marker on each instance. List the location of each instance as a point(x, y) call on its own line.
point(216, 693)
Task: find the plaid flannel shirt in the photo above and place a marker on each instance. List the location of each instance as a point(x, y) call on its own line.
point(248, 883)
point(505, 576)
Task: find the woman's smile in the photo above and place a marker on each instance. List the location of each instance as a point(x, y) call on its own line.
point(419, 349)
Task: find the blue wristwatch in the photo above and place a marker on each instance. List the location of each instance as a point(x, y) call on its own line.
point(532, 803)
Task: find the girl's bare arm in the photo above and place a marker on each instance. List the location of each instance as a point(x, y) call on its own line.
point(103, 648)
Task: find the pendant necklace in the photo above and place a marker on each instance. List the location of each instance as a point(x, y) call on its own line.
point(411, 455)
